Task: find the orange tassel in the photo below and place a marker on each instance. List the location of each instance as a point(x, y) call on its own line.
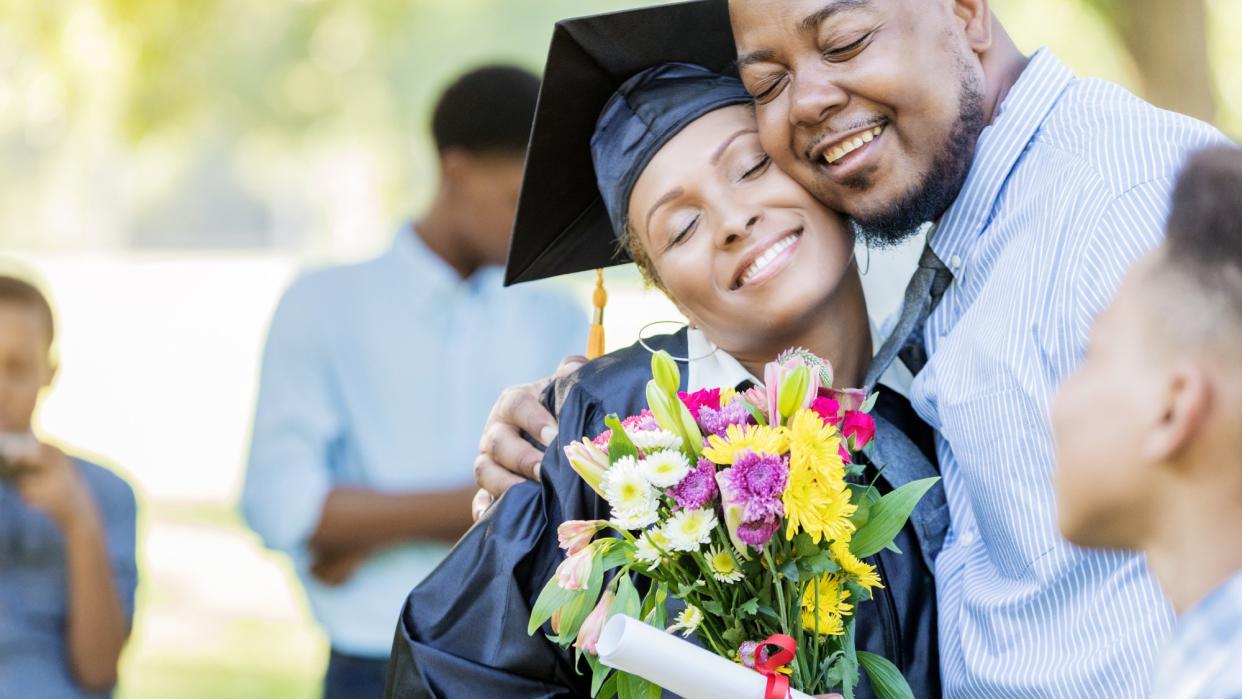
point(595, 340)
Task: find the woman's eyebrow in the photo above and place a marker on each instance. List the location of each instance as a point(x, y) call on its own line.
point(668, 196)
point(728, 141)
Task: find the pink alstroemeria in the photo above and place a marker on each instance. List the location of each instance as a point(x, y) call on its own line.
point(574, 572)
point(775, 374)
point(589, 462)
point(733, 509)
point(593, 626)
point(576, 535)
point(848, 398)
point(858, 428)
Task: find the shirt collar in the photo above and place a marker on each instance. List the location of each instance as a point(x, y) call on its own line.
point(1000, 147)
point(408, 248)
point(710, 367)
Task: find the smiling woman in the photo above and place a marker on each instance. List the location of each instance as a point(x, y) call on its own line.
point(754, 262)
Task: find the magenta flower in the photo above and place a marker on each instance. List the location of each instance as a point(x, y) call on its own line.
point(755, 484)
point(858, 428)
point(717, 422)
point(697, 489)
point(641, 422)
point(829, 410)
point(705, 398)
point(759, 532)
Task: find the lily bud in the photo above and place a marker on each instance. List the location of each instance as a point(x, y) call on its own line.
point(664, 371)
point(589, 462)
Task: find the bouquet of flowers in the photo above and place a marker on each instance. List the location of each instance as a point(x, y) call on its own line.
point(752, 510)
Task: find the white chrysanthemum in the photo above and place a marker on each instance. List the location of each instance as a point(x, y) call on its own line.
point(723, 565)
point(646, 548)
point(688, 621)
point(636, 518)
point(689, 529)
point(665, 469)
point(626, 488)
point(652, 440)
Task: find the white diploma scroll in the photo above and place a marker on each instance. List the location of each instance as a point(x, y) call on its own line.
point(679, 666)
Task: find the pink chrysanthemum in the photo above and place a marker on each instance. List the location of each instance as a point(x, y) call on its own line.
point(697, 489)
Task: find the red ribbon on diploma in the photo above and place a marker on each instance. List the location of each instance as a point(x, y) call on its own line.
point(778, 684)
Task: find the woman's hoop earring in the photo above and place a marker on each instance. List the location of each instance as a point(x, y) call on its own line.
point(866, 269)
point(643, 341)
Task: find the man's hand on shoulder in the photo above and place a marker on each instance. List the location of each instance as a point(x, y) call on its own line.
point(505, 457)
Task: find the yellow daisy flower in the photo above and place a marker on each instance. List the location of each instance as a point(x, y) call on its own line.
point(825, 606)
point(817, 500)
point(814, 444)
point(738, 438)
point(863, 573)
point(723, 565)
point(727, 396)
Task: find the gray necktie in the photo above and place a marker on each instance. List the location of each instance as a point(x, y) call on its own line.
point(925, 290)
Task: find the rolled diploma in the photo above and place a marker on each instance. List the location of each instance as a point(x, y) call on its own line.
point(679, 666)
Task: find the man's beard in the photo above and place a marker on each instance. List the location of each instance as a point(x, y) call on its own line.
point(941, 184)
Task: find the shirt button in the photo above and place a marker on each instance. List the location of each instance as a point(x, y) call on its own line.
point(955, 262)
point(968, 538)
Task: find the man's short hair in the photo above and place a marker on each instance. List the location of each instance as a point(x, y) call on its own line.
point(21, 292)
point(1205, 226)
point(488, 110)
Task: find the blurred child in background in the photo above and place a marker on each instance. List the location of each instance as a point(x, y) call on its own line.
point(1149, 430)
point(67, 532)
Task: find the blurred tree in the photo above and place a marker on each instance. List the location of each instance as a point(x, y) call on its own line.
point(1168, 41)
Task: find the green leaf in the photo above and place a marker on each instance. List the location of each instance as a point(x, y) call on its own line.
point(803, 545)
point(754, 412)
point(599, 673)
point(888, 516)
point(789, 569)
point(817, 565)
point(711, 606)
point(664, 371)
point(552, 598)
point(627, 601)
point(609, 689)
point(870, 402)
point(619, 552)
point(620, 445)
point(749, 608)
point(634, 687)
point(886, 679)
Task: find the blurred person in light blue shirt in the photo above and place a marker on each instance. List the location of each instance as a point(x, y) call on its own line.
point(67, 530)
point(378, 377)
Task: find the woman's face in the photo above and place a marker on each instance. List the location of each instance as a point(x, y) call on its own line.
point(746, 253)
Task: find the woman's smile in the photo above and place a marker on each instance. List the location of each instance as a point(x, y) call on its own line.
point(767, 259)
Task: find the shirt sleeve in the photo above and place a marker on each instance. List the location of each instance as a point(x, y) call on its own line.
point(1127, 227)
point(462, 631)
point(296, 423)
point(119, 512)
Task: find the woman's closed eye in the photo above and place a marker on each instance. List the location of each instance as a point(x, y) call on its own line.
point(757, 168)
point(686, 230)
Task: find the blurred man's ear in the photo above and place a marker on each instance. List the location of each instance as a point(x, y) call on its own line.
point(455, 167)
point(1185, 402)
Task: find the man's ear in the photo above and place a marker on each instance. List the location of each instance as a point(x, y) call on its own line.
point(455, 166)
point(1186, 403)
point(53, 367)
point(976, 19)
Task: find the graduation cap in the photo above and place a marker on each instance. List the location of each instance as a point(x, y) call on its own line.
point(563, 223)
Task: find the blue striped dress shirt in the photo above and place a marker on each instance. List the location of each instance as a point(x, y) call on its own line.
point(1070, 184)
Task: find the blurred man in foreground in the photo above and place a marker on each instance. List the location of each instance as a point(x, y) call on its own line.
point(67, 571)
point(377, 379)
point(1148, 445)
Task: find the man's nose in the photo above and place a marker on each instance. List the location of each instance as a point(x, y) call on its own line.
point(814, 96)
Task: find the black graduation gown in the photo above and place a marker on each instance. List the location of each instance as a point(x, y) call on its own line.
point(462, 631)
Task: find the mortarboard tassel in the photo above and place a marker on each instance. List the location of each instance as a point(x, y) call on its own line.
point(595, 340)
